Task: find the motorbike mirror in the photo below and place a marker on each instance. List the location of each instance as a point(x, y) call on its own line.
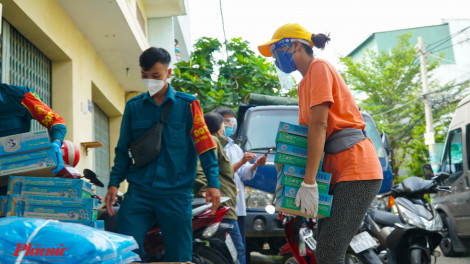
point(90, 175)
point(386, 143)
point(427, 170)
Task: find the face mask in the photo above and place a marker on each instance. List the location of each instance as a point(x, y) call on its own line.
point(285, 61)
point(228, 131)
point(153, 86)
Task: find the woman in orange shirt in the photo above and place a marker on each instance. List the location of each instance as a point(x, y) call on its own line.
point(328, 109)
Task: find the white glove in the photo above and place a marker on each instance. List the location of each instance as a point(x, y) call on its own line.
point(307, 198)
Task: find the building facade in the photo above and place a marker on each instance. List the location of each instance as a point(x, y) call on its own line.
point(452, 38)
point(81, 57)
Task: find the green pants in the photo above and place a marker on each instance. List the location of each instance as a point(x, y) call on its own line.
point(138, 214)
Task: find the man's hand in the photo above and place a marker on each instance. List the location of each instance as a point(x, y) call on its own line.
point(213, 195)
point(56, 145)
point(248, 156)
point(261, 161)
point(110, 199)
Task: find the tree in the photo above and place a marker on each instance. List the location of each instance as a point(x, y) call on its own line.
point(390, 83)
point(218, 81)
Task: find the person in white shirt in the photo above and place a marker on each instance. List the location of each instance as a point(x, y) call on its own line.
point(243, 170)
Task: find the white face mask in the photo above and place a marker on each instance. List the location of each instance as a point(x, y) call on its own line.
point(153, 86)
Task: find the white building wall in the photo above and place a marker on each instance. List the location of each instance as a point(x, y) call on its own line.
point(459, 70)
point(182, 34)
point(161, 34)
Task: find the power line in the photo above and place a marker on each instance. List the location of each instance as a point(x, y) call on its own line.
point(467, 39)
point(435, 56)
point(444, 40)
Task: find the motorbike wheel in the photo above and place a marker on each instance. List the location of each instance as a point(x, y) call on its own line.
point(288, 259)
point(210, 256)
point(446, 245)
point(416, 257)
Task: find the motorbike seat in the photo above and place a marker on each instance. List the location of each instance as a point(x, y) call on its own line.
point(384, 218)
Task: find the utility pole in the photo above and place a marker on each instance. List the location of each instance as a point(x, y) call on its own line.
point(429, 135)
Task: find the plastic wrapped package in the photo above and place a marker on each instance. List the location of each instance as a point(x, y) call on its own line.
point(32, 240)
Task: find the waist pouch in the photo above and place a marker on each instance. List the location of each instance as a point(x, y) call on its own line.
point(344, 139)
point(147, 147)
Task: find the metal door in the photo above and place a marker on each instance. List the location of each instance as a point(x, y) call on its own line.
point(101, 155)
point(23, 64)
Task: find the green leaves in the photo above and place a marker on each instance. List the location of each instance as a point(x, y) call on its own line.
point(390, 83)
point(220, 81)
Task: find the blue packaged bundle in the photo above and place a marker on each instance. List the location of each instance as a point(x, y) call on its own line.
point(31, 240)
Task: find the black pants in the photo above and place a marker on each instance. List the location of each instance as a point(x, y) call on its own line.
point(350, 202)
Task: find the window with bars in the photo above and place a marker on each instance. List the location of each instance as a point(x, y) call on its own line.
point(101, 155)
point(23, 64)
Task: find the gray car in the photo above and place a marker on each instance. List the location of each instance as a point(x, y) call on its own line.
point(454, 207)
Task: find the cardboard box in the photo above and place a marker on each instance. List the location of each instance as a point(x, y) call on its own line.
point(24, 142)
point(291, 150)
point(58, 208)
point(56, 187)
point(293, 176)
point(32, 163)
point(285, 202)
point(291, 139)
point(3, 202)
point(290, 160)
point(293, 129)
point(98, 224)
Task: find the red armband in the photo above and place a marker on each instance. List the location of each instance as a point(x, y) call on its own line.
point(200, 133)
point(40, 111)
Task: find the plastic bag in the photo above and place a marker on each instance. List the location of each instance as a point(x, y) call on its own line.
point(33, 240)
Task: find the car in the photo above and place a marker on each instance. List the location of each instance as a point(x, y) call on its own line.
point(256, 133)
point(454, 207)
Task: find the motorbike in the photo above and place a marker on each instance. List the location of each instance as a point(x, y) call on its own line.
point(211, 242)
point(412, 235)
point(298, 230)
point(365, 248)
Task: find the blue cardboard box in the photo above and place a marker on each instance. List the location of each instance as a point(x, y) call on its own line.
point(56, 187)
point(291, 139)
point(294, 176)
point(32, 163)
point(291, 150)
point(98, 224)
point(24, 142)
point(285, 202)
point(58, 208)
point(293, 129)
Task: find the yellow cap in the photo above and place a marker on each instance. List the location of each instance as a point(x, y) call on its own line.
point(293, 30)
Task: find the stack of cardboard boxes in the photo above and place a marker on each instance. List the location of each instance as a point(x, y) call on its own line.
point(291, 152)
point(61, 199)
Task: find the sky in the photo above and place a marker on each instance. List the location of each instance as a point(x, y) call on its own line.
point(349, 22)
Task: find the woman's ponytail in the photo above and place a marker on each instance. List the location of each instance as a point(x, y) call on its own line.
point(320, 40)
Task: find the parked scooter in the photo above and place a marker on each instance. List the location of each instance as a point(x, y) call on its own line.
point(365, 248)
point(413, 234)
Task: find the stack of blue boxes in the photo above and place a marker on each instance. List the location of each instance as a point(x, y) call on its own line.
point(41, 196)
point(67, 200)
point(291, 152)
point(26, 154)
